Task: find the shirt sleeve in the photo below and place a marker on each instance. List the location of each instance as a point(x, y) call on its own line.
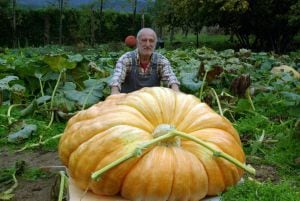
point(120, 70)
point(166, 71)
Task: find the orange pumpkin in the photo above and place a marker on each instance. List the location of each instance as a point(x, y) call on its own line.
point(178, 169)
point(130, 41)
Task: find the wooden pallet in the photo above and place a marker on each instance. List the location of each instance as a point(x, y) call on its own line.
point(76, 194)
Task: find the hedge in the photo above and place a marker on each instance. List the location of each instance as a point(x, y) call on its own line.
point(41, 26)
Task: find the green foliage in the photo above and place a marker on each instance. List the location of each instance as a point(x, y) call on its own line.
point(23, 134)
point(267, 130)
point(261, 25)
point(250, 190)
point(258, 21)
point(42, 131)
point(35, 173)
point(80, 26)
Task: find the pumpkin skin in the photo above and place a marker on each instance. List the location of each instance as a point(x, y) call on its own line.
point(106, 131)
point(130, 41)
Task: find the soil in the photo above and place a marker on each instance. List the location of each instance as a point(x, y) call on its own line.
point(45, 189)
point(40, 189)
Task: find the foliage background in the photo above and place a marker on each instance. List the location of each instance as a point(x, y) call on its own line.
point(40, 27)
point(258, 25)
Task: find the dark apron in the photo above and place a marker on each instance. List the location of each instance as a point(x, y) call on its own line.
point(134, 81)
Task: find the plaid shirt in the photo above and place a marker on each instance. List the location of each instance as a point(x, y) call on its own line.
point(124, 65)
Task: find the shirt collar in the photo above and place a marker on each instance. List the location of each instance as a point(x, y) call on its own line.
point(138, 59)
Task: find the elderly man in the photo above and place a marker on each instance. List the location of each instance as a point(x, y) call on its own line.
point(142, 67)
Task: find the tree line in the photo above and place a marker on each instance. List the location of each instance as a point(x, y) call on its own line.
point(269, 25)
point(63, 25)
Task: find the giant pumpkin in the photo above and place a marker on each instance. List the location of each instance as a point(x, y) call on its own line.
point(172, 169)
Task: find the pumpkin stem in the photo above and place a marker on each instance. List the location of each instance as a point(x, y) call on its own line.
point(138, 151)
point(248, 96)
point(96, 175)
point(218, 101)
point(202, 85)
point(163, 129)
point(231, 159)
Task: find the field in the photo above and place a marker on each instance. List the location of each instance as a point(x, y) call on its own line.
point(41, 88)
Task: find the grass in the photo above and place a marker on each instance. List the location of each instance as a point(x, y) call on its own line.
point(250, 190)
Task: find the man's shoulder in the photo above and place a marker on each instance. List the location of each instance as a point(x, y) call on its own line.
point(160, 56)
point(128, 55)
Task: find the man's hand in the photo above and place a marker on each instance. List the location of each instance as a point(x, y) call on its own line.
point(114, 90)
point(175, 87)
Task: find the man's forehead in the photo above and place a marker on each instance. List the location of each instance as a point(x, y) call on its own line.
point(147, 34)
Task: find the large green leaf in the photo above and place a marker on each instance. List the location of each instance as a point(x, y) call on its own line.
point(4, 82)
point(43, 99)
point(26, 132)
point(91, 94)
point(190, 82)
point(291, 98)
point(18, 88)
point(59, 62)
point(50, 76)
point(75, 58)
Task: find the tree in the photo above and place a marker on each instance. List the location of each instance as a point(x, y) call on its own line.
point(261, 25)
point(14, 26)
point(61, 4)
point(100, 17)
point(61, 8)
point(266, 25)
point(134, 8)
point(165, 15)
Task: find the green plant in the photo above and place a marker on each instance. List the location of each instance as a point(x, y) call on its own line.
point(250, 190)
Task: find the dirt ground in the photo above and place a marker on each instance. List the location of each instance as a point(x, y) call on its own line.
point(40, 189)
point(44, 188)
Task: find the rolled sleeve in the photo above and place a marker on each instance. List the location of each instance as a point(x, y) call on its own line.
point(166, 72)
point(120, 70)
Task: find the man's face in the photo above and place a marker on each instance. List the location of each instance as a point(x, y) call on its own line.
point(146, 43)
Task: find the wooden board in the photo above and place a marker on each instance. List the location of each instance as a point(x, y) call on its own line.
point(76, 194)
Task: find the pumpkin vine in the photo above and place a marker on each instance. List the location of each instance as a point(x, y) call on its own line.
point(138, 151)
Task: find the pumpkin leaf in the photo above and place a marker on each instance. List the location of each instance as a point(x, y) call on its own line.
point(75, 58)
point(267, 65)
point(29, 109)
point(26, 132)
point(4, 82)
point(190, 82)
point(18, 88)
point(291, 98)
point(59, 62)
point(50, 76)
point(91, 94)
point(43, 99)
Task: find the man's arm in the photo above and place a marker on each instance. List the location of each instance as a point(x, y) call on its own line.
point(119, 74)
point(114, 90)
point(175, 87)
point(167, 74)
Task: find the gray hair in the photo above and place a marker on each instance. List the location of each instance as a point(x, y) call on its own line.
point(146, 29)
